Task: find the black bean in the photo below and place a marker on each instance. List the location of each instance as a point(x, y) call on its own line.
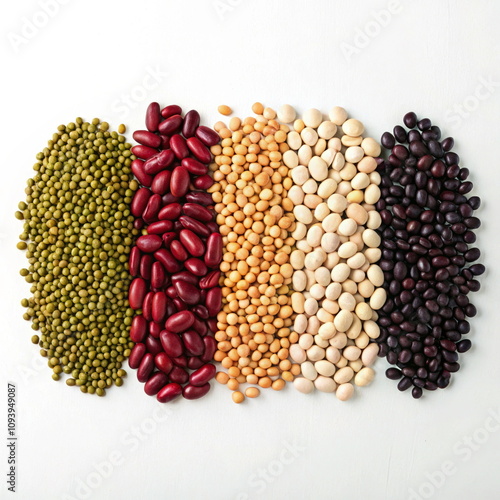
point(410, 119)
point(388, 140)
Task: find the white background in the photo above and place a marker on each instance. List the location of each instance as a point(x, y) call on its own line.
point(433, 57)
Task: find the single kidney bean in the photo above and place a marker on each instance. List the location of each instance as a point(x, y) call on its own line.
point(196, 266)
point(157, 275)
point(152, 208)
point(153, 117)
point(210, 348)
point(191, 123)
point(146, 306)
point(171, 292)
point(179, 322)
point(193, 392)
point(168, 238)
point(138, 328)
point(171, 343)
point(180, 361)
point(179, 304)
point(212, 324)
point(187, 292)
point(178, 146)
point(161, 182)
point(154, 329)
point(200, 326)
point(147, 138)
point(145, 267)
point(197, 212)
point(165, 141)
point(203, 182)
point(178, 250)
point(136, 293)
point(155, 383)
point(199, 150)
point(213, 302)
point(202, 375)
point(144, 152)
point(159, 307)
point(171, 211)
point(179, 375)
point(153, 345)
point(140, 201)
point(133, 261)
point(193, 342)
point(185, 276)
point(192, 242)
point(160, 227)
point(137, 168)
point(167, 259)
point(163, 362)
point(149, 243)
point(159, 162)
point(210, 280)
point(171, 110)
point(194, 225)
point(200, 311)
point(194, 166)
point(194, 363)
point(179, 182)
point(171, 125)
point(213, 254)
point(136, 355)
point(199, 197)
point(169, 393)
point(207, 136)
point(146, 367)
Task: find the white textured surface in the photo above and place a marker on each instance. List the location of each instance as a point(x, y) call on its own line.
point(430, 57)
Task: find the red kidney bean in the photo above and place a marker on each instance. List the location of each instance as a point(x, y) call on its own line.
point(171, 110)
point(138, 224)
point(159, 162)
point(200, 311)
point(202, 375)
point(140, 201)
point(192, 242)
point(207, 136)
point(149, 243)
point(134, 260)
point(155, 383)
point(152, 208)
point(179, 182)
point(187, 292)
point(168, 238)
point(171, 344)
point(191, 123)
point(171, 211)
point(199, 150)
point(193, 392)
point(210, 348)
point(159, 307)
point(170, 198)
point(153, 117)
point(145, 267)
point(180, 361)
point(165, 141)
point(171, 292)
point(161, 182)
point(171, 309)
point(200, 326)
point(194, 225)
point(179, 304)
point(138, 328)
point(213, 226)
point(212, 324)
point(146, 306)
point(136, 355)
point(179, 322)
point(167, 259)
point(160, 227)
point(199, 197)
point(185, 276)
point(194, 363)
point(178, 250)
point(153, 345)
point(213, 302)
point(193, 342)
point(194, 166)
point(171, 125)
point(179, 146)
point(203, 182)
point(154, 329)
point(144, 152)
point(146, 367)
point(210, 280)
point(157, 275)
point(178, 375)
point(169, 393)
point(163, 362)
point(147, 138)
point(137, 167)
point(213, 254)
point(197, 212)
point(196, 266)
point(136, 293)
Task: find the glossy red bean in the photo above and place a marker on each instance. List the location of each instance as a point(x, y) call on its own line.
point(178, 146)
point(144, 152)
point(181, 361)
point(212, 324)
point(146, 367)
point(146, 306)
point(179, 375)
point(191, 123)
point(171, 110)
point(159, 307)
point(194, 225)
point(210, 280)
point(167, 259)
point(193, 392)
point(193, 342)
point(161, 182)
point(171, 125)
point(153, 345)
point(157, 275)
point(199, 197)
point(138, 224)
point(165, 141)
point(213, 302)
point(187, 292)
point(137, 167)
point(178, 250)
point(134, 260)
point(207, 136)
point(194, 363)
point(213, 254)
point(160, 227)
point(196, 266)
point(136, 293)
point(199, 150)
point(153, 207)
point(179, 304)
point(159, 162)
point(200, 311)
point(138, 328)
point(153, 117)
point(154, 329)
point(192, 243)
point(149, 243)
point(171, 211)
point(194, 166)
point(179, 322)
point(202, 375)
point(179, 182)
point(171, 292)
point(169, 393)
point(145, 267)
point(198, 212)
point(147, 138)
point(163, 362)
point(203, 182)
point(155, 383)
point(140, 201)
point(171, 344)
point(168, 238)
point(136, 355)
point(185, 276)
point(210, 348)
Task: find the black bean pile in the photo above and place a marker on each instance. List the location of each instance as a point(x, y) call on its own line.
point(427, 256)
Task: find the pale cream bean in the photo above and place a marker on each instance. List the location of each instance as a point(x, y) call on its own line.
point(355, 329)
point(353, 127)
point(335, 143)
point(371, 147)
point(313, 325)
point(315, 259)
point(375, 178)
point(343, 320)
point(294, 140)
point(317, 291)
point(367, 165)
point(373, 255)
point(303, 214)
point(300, 323)
point(314, 235)
point(297, 258)
point(347, 301)
point(297, 354)
point(344, 188)
point(363, 310)
point(343, 375)
point(300, 175)
point(312, 201)
point(338, 162)
point(374, 220)
point(351, 353)
point(372, 194)
point(366, 288)
point(303, 385)
point(349, 141)
point(331, 306)
point(306, 340)
point(375, 275)
point(325, 384)
point(333, 291)
point(350, 286)
point(321, 211)
point(325, 368)
point(309, 136)
point(328, 155)
point(321, 342)
point(364, 376)
point(286, 113)
point(356, 261)
point(327, 188)
point(327, 130)
point(310, 187)
point(372, 329)
point(340, 272)
point(305, 154)
point(369, 354)
point(341, 362)
point(333, 174)
point(311, 280)
point(298, 301)
point(377, 300)
point(322, 276)
point(337, 203)
point(371, 238)
point(327, 331)
point(318, 169)
point(329, 242)
point(308, 370)
point(312, 117)
point(348, 172)
point(338, 115)
point(304, 246)
point(356, 275)
point(311, 306)
point(315, 353)
point(344, 392)
point(299, 281)
point(324, 316)
point(360, 181)
point(347, 227)
point(332, 354)
point(290, 158)
point(362, 340)
point(331, 223)
point(296, 194)
point(298, 125)
point(347, 249)
point(339, 341)
point(319, 147)
point(354, 154)
point(356, 365)
point(356, 212)
point(332, 260)
point(300, 231)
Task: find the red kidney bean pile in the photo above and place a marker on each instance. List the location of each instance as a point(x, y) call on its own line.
point(427, 258)
point(175, 262)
